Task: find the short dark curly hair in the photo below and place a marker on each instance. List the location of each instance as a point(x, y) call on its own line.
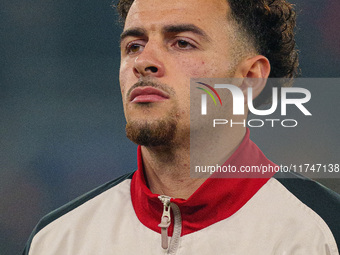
point(270, 25)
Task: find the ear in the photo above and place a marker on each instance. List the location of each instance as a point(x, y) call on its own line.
point(255, 71)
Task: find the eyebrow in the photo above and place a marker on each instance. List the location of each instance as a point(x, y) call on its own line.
point(180, 28)
point(185, 28)
point(134, 32)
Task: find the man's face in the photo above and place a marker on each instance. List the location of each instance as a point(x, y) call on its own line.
point(164, 44)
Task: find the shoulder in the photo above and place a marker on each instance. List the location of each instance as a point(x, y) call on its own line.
point(77, 209)
point(323, 201)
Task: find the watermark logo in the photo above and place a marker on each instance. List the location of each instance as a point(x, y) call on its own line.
point(295, 120)
point(238, 99)
point(204, 97)
point(294, 98)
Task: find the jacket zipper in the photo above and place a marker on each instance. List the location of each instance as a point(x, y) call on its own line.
point(165, 223)
point(165, 220)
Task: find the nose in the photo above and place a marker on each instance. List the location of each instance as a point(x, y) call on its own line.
point(148, 64)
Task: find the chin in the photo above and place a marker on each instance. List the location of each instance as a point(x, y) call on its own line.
point(160, 132)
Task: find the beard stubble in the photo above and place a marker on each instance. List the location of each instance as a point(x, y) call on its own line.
point(153, 132)
point(159, 132)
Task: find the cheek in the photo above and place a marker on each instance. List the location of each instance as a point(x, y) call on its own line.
point(198, 68)
point(194, 68)
point(123, 77)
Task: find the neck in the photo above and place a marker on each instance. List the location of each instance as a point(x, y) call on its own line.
point(167, 169)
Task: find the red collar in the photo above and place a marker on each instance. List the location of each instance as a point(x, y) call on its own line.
point(215, 200)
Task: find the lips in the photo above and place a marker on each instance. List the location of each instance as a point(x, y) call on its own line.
point(147, 95)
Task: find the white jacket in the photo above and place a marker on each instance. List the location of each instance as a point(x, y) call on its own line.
point(224, 216)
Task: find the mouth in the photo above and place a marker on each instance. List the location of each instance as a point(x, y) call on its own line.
point(147, 95)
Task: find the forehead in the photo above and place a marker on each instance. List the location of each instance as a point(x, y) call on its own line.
point(153, 14)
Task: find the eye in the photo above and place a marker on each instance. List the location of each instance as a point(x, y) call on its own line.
point(134, 47)
point(184, 44)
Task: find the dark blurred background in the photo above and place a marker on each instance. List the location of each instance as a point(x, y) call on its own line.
point(62, 125)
